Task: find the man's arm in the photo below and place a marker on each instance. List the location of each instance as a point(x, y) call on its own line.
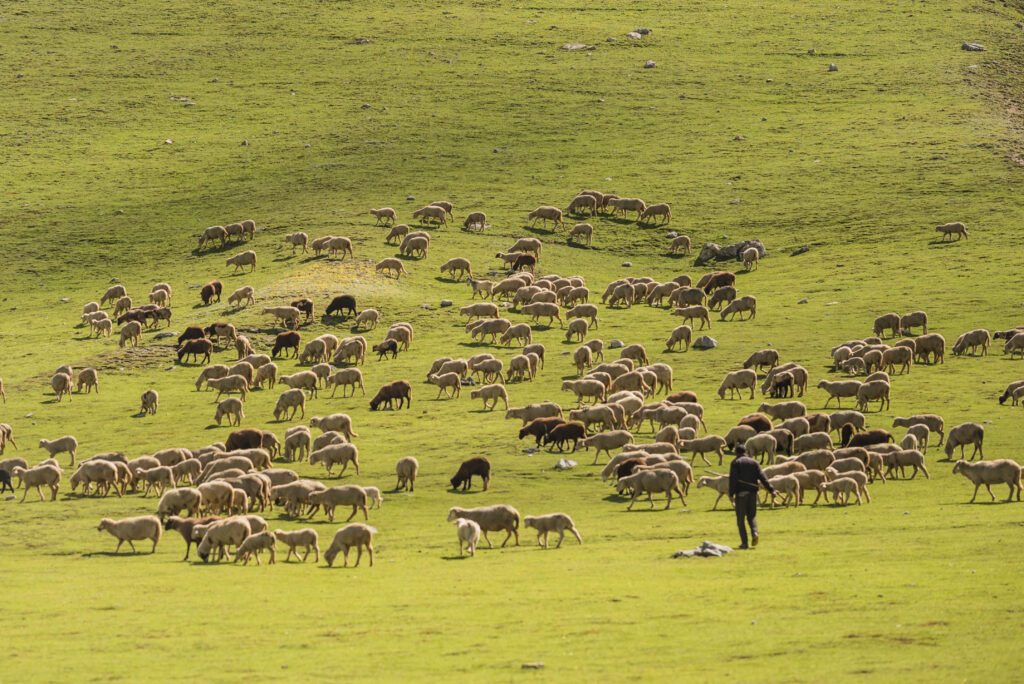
point(732, 480)
point(764, 481)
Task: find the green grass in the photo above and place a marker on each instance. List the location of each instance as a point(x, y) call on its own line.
point(476, 103)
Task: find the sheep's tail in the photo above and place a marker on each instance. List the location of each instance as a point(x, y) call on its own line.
point(515, 523)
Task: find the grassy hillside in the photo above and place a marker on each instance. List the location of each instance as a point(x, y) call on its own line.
point(741, 127)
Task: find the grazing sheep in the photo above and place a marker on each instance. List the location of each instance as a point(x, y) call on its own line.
point(355, 535)
point(961, 436)
point(841, 488)
point(650, 482)
point(288, 316)
point(532, 411)
point(581, 202)
point(435, 213)
point(761, 445)
point(1014, 345)
point(384, 216)
point(691, 313)
point(399, 389)
point(229, 385)
point(951, 229)
point(407, 468)
point(133, 529)
point(338, 422)
point(460, 265)
point(475, 220)
point(491, 393)
point(747, 303)
point(890, 322)
point(738, 381)
point(999, 471)
point(703, 445)
point(254, 544)
point(582, 232)
point(243, 296)
point(750, 258)
point(335, 454)
point(297, 240)
point(344, 495)
point(306, 537)
point(102, 473)
point(902, 458)
point(656, 210)
point(680, 242)
point(475, 466)
point(160, 477)
point(915, 319)
point(585, 388)
point(232, 408)
point(930, 348)
point(89, 379)
point(222, 534)
point(876, 390)
point(186, 527)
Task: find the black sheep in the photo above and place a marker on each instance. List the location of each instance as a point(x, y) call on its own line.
point(474, 466)
point(342, 304)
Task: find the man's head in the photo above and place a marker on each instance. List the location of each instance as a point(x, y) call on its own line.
point(740, 450)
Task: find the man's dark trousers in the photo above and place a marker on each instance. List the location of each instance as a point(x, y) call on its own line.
point(746, 512)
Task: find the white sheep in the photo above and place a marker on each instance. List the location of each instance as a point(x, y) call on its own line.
point(999, 471)
point(737, 381)
point(496, 518)
point(335, 454)
point(390, 266)
point(384, 215)
point(242, 295)
point(491, 393)
point(133, 529)
point(254, 544)
point(750, 257)
point(174, 501)
point(355, 535)
point(468, 533)
point(44, 474)
point(650, 482)
point(219, 535)
point(336, 422)
point(67, 443)
point(243, 259)
point(552, 522)
point(232, 409)
point(950, 229)
point(306, 537)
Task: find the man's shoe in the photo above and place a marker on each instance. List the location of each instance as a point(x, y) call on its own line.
point(744, 547)
point(755, 539)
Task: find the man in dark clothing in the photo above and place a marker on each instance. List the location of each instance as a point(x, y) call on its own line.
point(744, 475)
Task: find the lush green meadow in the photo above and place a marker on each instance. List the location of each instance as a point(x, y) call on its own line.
point(740, 127)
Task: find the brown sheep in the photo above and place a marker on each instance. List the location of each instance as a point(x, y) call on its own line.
point(399, 389)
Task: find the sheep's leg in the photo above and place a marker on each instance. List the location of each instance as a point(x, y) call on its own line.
point(487, 539)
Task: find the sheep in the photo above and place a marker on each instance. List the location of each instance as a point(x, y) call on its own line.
point(812, 441)
point(737, 381)
point(215, 497)
point(384, 215)
point(585, 388)
point(294, 495)
point(584, 311)
point(839, 390)
point(1014, 345)
point(905, 457)
point(337, 422)
point(841, 489)
point(761, 445)
point(930, 348)
point(559, 435)
point(915, 319)
point(680, 242)
point(865, 438)
point(122, 306)
point(287, 315)
point(401, 333)
point(133, 529)
point(130, 333)
point(407, 468)
point(89, 379)
point(435, 213)
point(808, 480)
point(521, 368)
point(303, 380)
point(628, 204)
point(159, 477)
point(390, 266)
point(750, 258)
point(650, 482)
point(491, 393)
point(495, 518)
point(355, 535)
point(738, 435)
point(221, 534)
point(460, 265)
point(961, 436)
point(43, 474)
point(603, 415)
point(838, 419)
point(890, 322)
point(582, 232)
point(232, 408)
point(229, 385)
point(399, 389)
point(344, 495)
point(581, 202)
point(186, 527)
point(680, 335)
point(102, 473)
point(552, 522)
point(252, 545)
point(475, 220)
point(67, 443)
point(112, 294)
point(719, 484)
point(691, 313)
point(306, 538)
point(747, 303)
point(656, 210)
point(951, 229)
point(531, 411)
point(334, 454)
point(606, 441)
point(475, 466)
point(876, 390)
point(344, 378)
point(242, 259)
point(788, 485)
point(340, 244)
point(546, 214)
point(972, 340)
point(699, 447)
point(797, 426)
point(909, 441)
point(186, 470)
point(1001, 470)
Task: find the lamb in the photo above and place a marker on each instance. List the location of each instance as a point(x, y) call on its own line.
point(680, 242)
point(468, 532)
point(839, 390)
point(606, 441)
point(905, 457)
point(784, 410)
point(232, 408)
point(999, 471)
point(719, 484)
point(747, 303)
point(384, 215)
point(951, 229)
point(491, 393)
point(552, 522)
point(355, 535)
point(335, 454)
point(841, 489)
point(750, 258)
point(703, 445)
point(221, 534)
point(306, 538)
point(160, 477)
point(407, 468)
point(186, 470)
point(961, 436)
point(497, 518)
point(475, 466)
point(367, 319)
point(458, 264)
point(337, 422)
point(67, 443)
point(243, 296)
point(788, 485)
point(532, 411)
point(737, 381)
point(242, 259)
point(546, 214)
point(133, 529)
point(691, 313)
point(43, 474)
point(254, 544)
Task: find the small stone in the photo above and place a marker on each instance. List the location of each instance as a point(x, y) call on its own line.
point(802, 301)
point(445, 303)
point(633, 35)
point(764, 118)
point(802, 249)
point(425, 306)
point(833, 67)
point(65, 300)
point(650, 64)
point(831, 303)
point(119, 212)
point(533, 666)
point(672, 234)
point(627, 264)
point(577, 46)
point(115, 281)
point(530, 450)
point(29, 415)
point(615, 344)
point(609, 39)
point(739, 138)
point(506, 305)
point(735, 200)
point(410, 198)
point(367, 105)
point(168, 142)
point(565, 464)
point(362, 41)
point(973, 47)
point(164, 335)
point(245, 143)
point(306, 146)
point(812, 52)
point(705, 342)
point(644, 31)
point(495, 150)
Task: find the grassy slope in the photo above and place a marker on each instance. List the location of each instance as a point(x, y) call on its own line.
point(859, 164)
